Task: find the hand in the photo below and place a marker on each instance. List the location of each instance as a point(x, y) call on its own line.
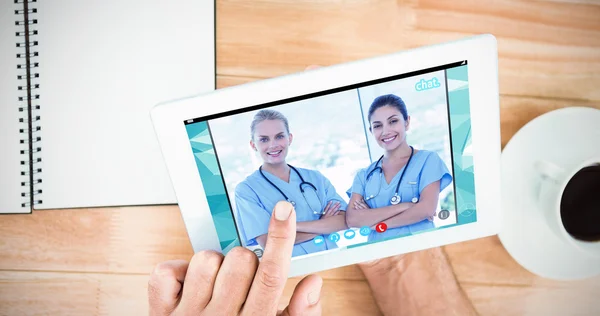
point(361, 205)
point(382, 266)
point(405, 284)
point(432, 216)
point(331, 209)
point(236, 284)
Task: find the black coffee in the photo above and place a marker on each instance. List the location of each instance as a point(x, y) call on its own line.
point(580, 204)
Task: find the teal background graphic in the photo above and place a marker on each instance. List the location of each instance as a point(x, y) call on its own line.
point(208, 168)
point(460, 124)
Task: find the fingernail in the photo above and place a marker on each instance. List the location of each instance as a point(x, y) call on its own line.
point(282, 211)
point(313, 297)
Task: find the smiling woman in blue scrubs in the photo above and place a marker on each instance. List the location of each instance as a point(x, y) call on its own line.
point(401, 189)
point(319, 209)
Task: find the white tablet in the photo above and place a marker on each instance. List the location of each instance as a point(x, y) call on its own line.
point(406, 147)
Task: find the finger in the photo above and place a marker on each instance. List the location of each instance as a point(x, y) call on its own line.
point(336, 206)
point(306, 299)
point(333, 208)
point(233, 282)
point(199, 281)
point(165, 285)
point(273, 270)
point(328, 207)
point(336, 209)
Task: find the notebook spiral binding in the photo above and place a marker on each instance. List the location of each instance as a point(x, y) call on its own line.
point(28, 101)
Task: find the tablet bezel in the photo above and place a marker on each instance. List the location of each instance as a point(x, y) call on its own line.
point(481, 54)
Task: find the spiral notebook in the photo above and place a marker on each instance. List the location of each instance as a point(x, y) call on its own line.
point(77, 81)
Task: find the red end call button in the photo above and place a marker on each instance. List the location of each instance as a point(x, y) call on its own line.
point(381, 227)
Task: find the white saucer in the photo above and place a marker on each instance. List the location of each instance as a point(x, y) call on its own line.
point(565, 137)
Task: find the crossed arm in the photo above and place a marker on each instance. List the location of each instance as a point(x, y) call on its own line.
point(331, 221)
point(359, 214)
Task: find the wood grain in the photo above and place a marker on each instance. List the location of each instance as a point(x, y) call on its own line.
point(97, 261)
point(546, 48)
point(109, 294)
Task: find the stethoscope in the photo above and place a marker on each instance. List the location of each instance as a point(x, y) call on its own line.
point(396, 199)
point(301, 186)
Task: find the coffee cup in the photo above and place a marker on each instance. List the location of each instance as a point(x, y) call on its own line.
point(569, 197)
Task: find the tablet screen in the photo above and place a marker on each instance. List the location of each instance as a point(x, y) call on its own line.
point(362, 164)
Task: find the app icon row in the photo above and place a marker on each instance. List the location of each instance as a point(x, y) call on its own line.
point(349, 234)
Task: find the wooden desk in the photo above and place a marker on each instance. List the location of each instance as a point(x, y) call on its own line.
point(96, 261)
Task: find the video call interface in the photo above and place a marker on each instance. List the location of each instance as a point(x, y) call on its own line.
point(326, 154)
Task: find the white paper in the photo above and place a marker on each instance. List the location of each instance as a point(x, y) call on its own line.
point(10, 148)
point(103, 66)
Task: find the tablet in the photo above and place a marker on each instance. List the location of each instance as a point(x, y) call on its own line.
point(381, 156)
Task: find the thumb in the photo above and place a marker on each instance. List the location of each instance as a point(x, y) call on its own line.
point(306, 299)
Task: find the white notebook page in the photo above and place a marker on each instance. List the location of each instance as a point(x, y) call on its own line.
point(103, 66)
point(10, 157)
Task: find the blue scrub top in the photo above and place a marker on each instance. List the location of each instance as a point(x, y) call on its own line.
point(425, 168)
point(255, 199)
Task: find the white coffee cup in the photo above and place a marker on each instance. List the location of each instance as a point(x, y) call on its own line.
point(553, 180)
